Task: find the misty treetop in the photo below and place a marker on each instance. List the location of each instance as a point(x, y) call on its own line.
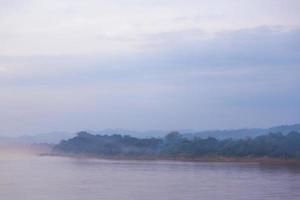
point(275, 145)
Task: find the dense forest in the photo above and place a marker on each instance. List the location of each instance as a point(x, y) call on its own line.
point(274, 145)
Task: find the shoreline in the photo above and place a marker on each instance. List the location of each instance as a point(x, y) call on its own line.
point(223, 159)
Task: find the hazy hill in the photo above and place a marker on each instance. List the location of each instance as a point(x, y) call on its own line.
point(50, 138)
point(56, 137)
point(244, 133)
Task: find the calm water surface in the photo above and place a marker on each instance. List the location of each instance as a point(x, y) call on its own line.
point(58, 178)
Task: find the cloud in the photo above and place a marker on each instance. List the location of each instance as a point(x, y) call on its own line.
point(141, 65)
point(230, 66)
point(258, 46)
point(116, 27)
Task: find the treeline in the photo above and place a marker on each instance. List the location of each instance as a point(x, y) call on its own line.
point(275, 145)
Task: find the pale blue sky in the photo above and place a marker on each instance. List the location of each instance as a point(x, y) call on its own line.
point(73, 65)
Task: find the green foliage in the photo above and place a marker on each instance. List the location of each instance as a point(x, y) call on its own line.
point(274, 145)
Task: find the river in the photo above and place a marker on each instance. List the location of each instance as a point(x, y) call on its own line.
point(30, 177)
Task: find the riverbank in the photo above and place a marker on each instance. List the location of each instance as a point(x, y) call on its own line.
point(261, 160)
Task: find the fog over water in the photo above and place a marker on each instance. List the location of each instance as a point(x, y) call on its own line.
point(34, 177)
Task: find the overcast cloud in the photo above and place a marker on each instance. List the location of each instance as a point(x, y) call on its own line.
point(73, 65)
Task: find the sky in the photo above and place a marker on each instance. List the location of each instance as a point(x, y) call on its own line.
point(73, 65)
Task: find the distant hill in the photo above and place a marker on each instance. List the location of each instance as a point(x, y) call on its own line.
point(56, 137)
point(243, 133)
point(285, 129)
point(50, 138)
